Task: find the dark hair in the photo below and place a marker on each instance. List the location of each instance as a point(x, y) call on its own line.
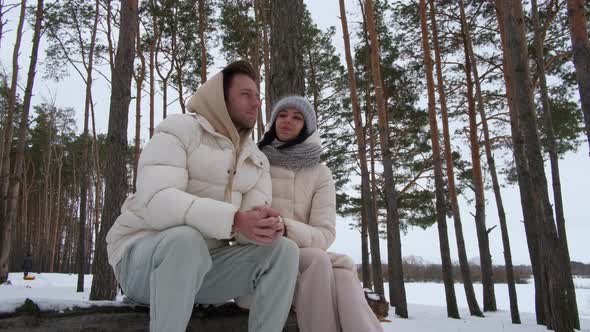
point(271, 135)
point(237, 67)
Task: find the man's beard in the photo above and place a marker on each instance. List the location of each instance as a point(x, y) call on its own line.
point(243, 124)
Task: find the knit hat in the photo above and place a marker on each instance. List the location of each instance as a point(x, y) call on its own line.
point(302, 105)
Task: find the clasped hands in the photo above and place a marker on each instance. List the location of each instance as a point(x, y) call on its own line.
point(262, 224)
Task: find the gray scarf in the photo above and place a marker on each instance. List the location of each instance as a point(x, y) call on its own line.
point(294, 157)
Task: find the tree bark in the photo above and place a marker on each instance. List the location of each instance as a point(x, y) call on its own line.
point(5, 225)
point(369, 114)
point(581, 54)
point(139, 78)
point(554, 160)
point(365, 263)
point(84, 167)
point(266, 22)
point(447, 268)
point(163, 77)
point(553, 259)
point(485, 258)
point(394, 248)
point(286, 46)
point(18, 177)
point(528, 206)
point(495, 184)
point(372, 226)
point(104, 284)
point(202, 28)
point(256, 64)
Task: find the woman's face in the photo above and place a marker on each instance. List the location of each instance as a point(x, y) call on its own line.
point(289, 124)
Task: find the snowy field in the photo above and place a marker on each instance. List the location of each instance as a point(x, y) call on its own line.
point(426, 303)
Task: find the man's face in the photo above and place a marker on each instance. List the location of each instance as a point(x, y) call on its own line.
point(243, 101)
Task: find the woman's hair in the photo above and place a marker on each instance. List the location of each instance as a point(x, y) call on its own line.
point(271, 135)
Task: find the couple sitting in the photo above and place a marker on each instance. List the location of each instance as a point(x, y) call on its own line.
point(201, 182)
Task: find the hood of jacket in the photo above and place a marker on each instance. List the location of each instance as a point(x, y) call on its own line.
point(208, 101)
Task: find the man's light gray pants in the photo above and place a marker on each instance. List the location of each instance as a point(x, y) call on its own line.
point(173, 269)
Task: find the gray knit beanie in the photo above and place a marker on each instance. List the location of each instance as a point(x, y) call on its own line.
point(302, 105)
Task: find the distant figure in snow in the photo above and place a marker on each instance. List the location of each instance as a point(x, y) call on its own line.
point(27, 264)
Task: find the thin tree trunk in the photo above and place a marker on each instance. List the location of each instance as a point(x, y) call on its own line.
point(19, 174)
point(581, 54)
point(266, 40)
point(152, 86)
point(1, 21)
point(55, 233)
point(256, 64)
point(85, 144)
point(554, 160)
point(5, 225)
point(394, 249)
point(139, 78)
point(489, 297)
point(369, 114)
point(365, 267)
point(372, 226)
point(447, 268)
point(515, 51)
point(163, 78)
point(175, 63)
point(202, 28)
point(110, 49)
point(104, 284)
point(495, 184)
point(98, 181)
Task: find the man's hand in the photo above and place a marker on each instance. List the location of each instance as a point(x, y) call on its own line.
point(262, 225)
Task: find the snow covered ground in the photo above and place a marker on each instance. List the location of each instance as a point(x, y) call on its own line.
point(426, 304)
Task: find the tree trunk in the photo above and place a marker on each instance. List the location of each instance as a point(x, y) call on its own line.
point(256, 64)
point(19, 175)
point(581, 55)
point(5, 225)
point(98, 181)
point(394, 248)
point(202, 28)
point(489, 297)
point(176, 64)
point(495, 184)
point(267, 105)
point(55, 233)
point(554, 159)
point(365, 263)
point(1, 21)
point(152, 87)
point(372, 226)
point(139, 78)
point(369, 113)
point(163, 78)
point(286, 46)
point(84, 167)
point(553, 258)
point(447, 268)
point(528, 206)
point(104, 284)
point(110, 49)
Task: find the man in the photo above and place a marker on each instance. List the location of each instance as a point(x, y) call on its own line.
point(201, 181)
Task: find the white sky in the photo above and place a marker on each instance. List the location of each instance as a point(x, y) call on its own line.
point(417, 242)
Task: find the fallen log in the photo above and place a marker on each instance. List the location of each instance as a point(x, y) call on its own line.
point(225, 318)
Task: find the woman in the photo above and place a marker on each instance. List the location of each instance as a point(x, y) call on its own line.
point(328, 297)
